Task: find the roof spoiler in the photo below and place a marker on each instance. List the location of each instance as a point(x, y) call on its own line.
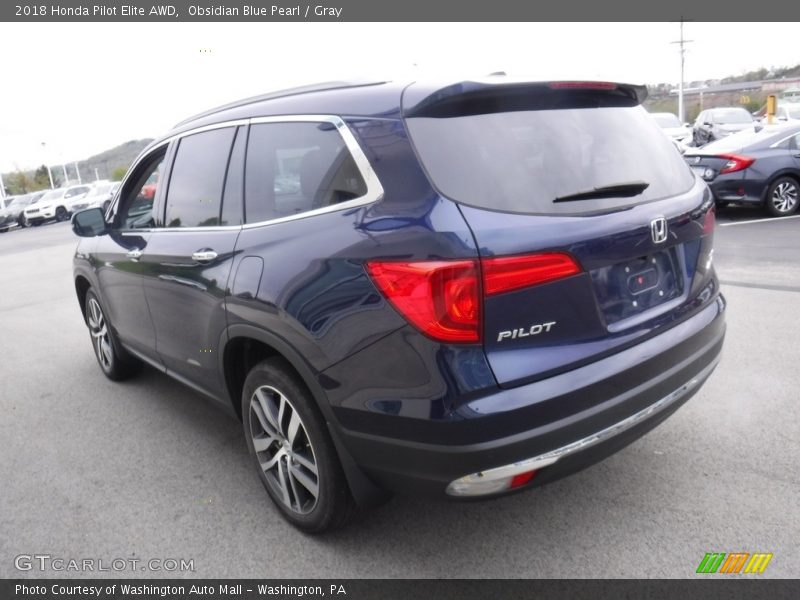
point(496, 95)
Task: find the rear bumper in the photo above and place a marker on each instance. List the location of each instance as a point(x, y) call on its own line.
point(736, 188)
point(576, 418)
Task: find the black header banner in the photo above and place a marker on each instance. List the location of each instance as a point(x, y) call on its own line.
point(408, 10)
point(400, 589)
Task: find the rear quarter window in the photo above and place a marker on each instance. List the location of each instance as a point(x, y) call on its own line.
point(522, 161)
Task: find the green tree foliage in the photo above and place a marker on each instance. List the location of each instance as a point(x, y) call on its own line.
point(118, 173)
point(41, 179)
point(19, 183)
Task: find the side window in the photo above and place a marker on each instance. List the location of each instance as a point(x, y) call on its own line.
point(136, 200)
point(77, 191)
point(296, 167)
point(194, 195)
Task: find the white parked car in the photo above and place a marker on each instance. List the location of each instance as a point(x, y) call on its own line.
point(98, 197)
point(681, 133)
point(56, 204)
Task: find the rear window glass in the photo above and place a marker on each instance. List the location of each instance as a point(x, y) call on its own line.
point(523, 161)
point(666, 120)
point(733, 115)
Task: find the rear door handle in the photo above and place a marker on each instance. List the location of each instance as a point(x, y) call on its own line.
point(204, 256)
point(134, 254)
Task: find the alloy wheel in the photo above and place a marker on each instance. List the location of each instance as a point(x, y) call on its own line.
point(61, 214)
point(784, 197)
point(284, 450)
point(99, 331)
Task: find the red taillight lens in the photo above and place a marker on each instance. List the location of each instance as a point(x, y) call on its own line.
point(441, 298)
point(735, 163)
point(709, 220)
point(508, 273)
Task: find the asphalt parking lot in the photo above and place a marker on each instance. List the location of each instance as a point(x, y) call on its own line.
point(148, 469)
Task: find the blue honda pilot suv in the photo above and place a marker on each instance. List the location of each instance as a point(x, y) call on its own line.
point(460, 289)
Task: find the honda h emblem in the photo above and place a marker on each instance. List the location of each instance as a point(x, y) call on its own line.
point(658, 230)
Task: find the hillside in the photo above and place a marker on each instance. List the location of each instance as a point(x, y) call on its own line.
point(106, 163)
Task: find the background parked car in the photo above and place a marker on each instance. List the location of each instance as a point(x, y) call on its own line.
point(672, 127)
point(717, 123)
point(99, 196)
point(14, 210)
point(760, 168)
point(55, 204)
point(5, 223)
point(787, 112)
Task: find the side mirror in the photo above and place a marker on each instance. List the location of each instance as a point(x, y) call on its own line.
point(89, 223)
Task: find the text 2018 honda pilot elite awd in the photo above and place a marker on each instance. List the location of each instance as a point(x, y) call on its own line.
point(461, 289)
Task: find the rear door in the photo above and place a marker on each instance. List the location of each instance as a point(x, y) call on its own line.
point(605, 229)
point(188, 257)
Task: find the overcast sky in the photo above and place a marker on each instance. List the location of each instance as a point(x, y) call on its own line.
point(85, 87)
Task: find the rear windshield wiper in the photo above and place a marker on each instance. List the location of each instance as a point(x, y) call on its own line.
point(618, 190)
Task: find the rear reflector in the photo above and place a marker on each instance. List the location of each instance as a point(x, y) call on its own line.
point(521, 479)
point(443, 298)
point(735, 163)
point(508, 273)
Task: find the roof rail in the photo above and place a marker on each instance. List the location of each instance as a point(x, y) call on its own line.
point(305, 89)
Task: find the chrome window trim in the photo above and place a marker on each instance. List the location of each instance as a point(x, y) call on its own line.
point(374, 188)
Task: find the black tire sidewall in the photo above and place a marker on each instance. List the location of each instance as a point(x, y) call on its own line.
point(334, 495)
point(123, 365)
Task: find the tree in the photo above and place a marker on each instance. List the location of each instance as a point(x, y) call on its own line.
point(41, 179)
point(118, 173)
point(19, 183)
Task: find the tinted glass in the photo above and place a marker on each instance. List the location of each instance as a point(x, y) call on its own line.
point(198, 174)
point(666, 120)
point(523, 161)
point(232, 200)
point(139, 196)
point(733, 115)
point(297, 167)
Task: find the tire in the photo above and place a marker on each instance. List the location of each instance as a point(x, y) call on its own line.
point(114, 361)
point(36, 223)
point(23, 222)
point(288, 440)
point(61, 214)
point(783, 197)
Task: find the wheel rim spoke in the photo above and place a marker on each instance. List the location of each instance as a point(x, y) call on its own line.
point(306, 463)
point(304, 480)
point(283, 450)
point(99, 333)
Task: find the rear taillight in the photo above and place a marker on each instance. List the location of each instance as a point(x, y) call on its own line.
point(735, 163)
point(443, 298)
point(709, 220)
point(508, 273)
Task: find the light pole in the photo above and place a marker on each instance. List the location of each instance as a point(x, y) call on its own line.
point(682, 42)
point(49, 172)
